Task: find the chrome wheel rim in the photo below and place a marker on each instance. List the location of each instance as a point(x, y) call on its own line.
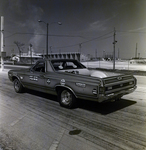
point(66, 97)
point(16, 85)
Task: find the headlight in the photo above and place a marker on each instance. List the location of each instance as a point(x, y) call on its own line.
point(131, 82)
point(110, 88)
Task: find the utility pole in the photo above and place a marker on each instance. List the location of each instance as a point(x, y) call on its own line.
point(80, 47)
point(31, 52)
point(47, 42)
point(118, 54)
point(103, 54)
point(95, 53)
point(114, 45)
point(2, 43)
point(51, 49)
point(136, 51)
point(138, 55)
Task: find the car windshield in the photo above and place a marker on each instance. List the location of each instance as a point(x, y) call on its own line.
point(67, 64)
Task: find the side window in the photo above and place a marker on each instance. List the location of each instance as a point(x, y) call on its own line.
point(56, 65)
point(39, 67)
point(70, 65)
point(63, 65)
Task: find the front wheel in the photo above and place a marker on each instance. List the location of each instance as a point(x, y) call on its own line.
point(18, 86)
point(118, 99)
point(66, 98)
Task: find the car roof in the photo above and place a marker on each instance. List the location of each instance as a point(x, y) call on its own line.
point(56, 59)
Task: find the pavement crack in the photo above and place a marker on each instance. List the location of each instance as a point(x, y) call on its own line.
point(16, 121)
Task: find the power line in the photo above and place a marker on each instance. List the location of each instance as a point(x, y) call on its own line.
point(83, 42)
point(97, 37)
point(45, 35)
point(130, 31)
point(102, 37)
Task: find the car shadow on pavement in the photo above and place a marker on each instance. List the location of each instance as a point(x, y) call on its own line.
point(102, 108)
point(105, 108)
point(42, 95)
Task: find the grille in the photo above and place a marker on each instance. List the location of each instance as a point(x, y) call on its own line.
point(115, 84)
point(116, 79)
point(121, 85)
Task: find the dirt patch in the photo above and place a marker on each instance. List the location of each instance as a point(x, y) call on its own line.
point(8, 141)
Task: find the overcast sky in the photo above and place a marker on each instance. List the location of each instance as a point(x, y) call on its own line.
point(87, 22)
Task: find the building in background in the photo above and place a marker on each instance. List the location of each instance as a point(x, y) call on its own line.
point(31, 56)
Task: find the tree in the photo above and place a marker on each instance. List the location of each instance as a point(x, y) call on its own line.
point(19, 46)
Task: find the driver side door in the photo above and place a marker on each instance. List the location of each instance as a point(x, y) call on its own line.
point(34, 78)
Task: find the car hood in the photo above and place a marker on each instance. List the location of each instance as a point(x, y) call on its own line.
point(20, 70)
point(103, 74)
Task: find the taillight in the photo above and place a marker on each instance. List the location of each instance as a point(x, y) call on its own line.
point(101, 90)
point(94, 91)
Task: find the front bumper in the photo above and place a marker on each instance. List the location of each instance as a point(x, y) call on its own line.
point(103, 97)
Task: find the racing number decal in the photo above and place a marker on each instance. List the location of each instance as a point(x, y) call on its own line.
point(62, 82)
point(48, 81)
point(34, 78)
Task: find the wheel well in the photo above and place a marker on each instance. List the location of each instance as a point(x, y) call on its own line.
point(14, 77)
point(60, 88)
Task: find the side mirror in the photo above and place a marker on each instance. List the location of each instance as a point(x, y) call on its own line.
point(31, 70)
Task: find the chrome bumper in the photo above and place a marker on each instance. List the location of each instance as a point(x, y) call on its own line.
point(119, 94)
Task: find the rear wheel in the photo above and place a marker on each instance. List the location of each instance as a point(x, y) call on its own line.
point(66, 98)
point(18, 86)
point(118, 99)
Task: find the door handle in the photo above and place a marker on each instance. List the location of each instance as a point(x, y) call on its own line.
point(41, 76)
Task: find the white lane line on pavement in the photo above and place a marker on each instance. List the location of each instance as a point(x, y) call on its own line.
point(56, 142)
point(16, 121)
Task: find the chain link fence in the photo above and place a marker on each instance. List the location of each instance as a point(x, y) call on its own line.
point(120, 65)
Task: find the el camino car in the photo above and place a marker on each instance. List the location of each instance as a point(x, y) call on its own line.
point(70, 80)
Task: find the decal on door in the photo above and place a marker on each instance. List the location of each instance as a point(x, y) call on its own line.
point(33, 78)
point(62, 82)
point(48, 81)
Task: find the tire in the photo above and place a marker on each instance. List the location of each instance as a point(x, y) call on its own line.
point(66, 98)
point(18, 86)
point(118, 99)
